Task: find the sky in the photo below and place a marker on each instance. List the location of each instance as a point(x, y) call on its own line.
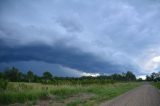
point(80, 37)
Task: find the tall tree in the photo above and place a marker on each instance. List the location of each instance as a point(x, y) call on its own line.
point(47, 76)
point(12, 74)
point(30, 76)
point(130, 76)
point(148, 78)
point(155, 76)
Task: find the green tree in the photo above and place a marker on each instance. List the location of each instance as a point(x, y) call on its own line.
point(47, 76)
point(1, 75)
point(155, 76)
point(130, 76)
point(148, 78)
point(12, 74)
point(37, 78)
point(139, 79)
point(30, 76)
point(23, 77)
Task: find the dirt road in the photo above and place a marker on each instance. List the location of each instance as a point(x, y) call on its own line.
point(145, 95)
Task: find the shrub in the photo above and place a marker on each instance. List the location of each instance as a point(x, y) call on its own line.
point(3, 84)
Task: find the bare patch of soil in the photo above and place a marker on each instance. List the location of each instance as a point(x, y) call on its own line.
point(53, 101)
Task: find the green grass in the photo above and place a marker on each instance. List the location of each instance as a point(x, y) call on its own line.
point(13, 97)
point(104, 93)
point(156, 84)
point(23, 92)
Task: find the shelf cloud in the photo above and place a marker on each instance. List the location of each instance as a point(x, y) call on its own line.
point(92, 36)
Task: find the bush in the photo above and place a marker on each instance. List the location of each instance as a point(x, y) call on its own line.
point(3, 84)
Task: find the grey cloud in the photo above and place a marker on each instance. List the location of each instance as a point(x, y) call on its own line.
point(117, 33)
point(70, 24)
point(38, 67)
point(70, 57)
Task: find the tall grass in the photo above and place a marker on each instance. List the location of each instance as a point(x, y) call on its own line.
point(156, 84)
point(9, 97)
point(23, 92)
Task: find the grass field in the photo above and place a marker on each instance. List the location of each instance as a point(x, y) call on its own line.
point(86, 95)
point(156, 84)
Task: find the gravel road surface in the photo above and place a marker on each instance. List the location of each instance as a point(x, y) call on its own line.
point(145, 95)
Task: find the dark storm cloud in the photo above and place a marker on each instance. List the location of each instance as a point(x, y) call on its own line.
point(95, 36)
point(58, 54)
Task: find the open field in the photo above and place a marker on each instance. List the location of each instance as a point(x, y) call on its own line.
point(70, 95)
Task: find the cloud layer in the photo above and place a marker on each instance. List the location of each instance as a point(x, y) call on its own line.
point(92, 36)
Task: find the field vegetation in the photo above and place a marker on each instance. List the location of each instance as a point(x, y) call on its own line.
point(154, 78)
point(30, 89)
point(156, 84)
point(24, 92)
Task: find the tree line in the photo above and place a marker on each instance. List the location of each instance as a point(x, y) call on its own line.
point(153, 77)
point(15, 75)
